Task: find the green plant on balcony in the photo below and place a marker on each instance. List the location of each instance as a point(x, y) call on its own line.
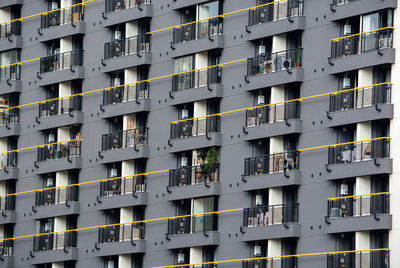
point(211, 164)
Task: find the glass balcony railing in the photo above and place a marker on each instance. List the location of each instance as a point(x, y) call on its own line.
point(6, 248)
point(364, 97)
point(56, 196)
point(269, 215)
point(342, 2)
point(118, 5)
point(193, 224)
point(274, 62)
point(127, 46)
point(10, 73)
point(195, 79)
point(358, 152)
point(9, 116)
point(10, 29)
point(198, 30)
point(193, 175)
point(124, 186)
point(61, 61)
point(55, 241)
point(7, 203)
point(125, 139)
point(277, 11)
point(272, 113)
point(60, 17)
point(60, 106)
point(270, 164)
point(362, 205)
point(126, 93)
point(8, 160)
point(362, 42)
point(195, 127)
point(289, 262)
point(121, 233)
point(368, 259)
point(59, 150)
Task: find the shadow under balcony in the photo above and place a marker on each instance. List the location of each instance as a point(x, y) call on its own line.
point(9, 123)
point(193, 182)
point(8, 212)
point(178, 4)
point(6, 3)
point(120, 11)
point(342, 9)
point(274, 69)
point(193, 231)
point(123, 192)
point(126, 100)
point(270, 222)
point(125, 145)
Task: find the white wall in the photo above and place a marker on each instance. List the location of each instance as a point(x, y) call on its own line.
point(66, 44)
point(132, 28)
point(5, 14)
point(130, 75)
point(278, 43)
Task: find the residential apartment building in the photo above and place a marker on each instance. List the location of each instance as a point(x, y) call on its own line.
point(198, 133)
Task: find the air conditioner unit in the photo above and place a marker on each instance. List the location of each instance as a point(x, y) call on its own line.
point(287, 63)
point(384, 42)
point(346, 82)
point(347, 29)
point(258, 200)
point(144, 47)
point(181, 258)
point(141, 188)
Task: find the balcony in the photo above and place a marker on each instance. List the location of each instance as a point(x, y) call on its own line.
point(7, 207)
point(10, 35)
point(274, 19)
point(178, 4)
point(10, 79)
point(359, 213)
point(342, 9)
point(197, 85)
point(6, 3)
point(123, 192)
point(287, 262)
point(6, 253)
point(126, 53)
point(190, 231)
point(126, 100)
point(360, 105)
point(122, 238)
point(58, 247)
point(193, 181)
point(62, 23)
point(274, 170)
point(274, 69)
point(61, 67)
point(8, 165)
point(273, 120)
point(271, 222)
point(378, 258)
point(124, 145)
point(196, 37)
point(59, 156)
point(9, 123)
point(362, 50)
point(195, 133)
point(354, 159)
point(120, 11)
point(60, 112)
point(55, 202)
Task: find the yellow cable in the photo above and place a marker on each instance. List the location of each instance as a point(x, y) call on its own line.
point(38, 146)
point(356, 196)
point(358, 34)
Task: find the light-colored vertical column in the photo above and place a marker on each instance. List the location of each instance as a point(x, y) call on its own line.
point(66, 44)
point(131, 28)
point(196, 255)
point(3, 148)
point(5, 14)
point(125, 260)
point(3, 190)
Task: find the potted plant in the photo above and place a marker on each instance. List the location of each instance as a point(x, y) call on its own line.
point(298, 60)
point(211, 164)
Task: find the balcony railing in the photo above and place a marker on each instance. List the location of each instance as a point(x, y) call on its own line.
point(118, 5)
point(59, 150)
point(60, 106)
point(274, 12)
point(362, 42)
point(273, 163)
point(195, 79)
point(10, 73)
point(195, 127)
point(61, 61)
point(8, 160)
point(125, 139)
point(127, 46)
point(369, 259)
point(193, 175)
point(126, 93)
point(193, 224)
point(274, 62)
point(55, 241)
point(272, 113)
point(121, 233)
point(269, 215)
point(362, 205)
point(60, 17)
point(364, 97)
point(358, 152)
point(7, 203)
point(10, 29)
point(9, 117)
point(289, 262)
point(342, 2)
point(198, 30)
point(124, 186)
point(6, 248)
point(56, 196)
